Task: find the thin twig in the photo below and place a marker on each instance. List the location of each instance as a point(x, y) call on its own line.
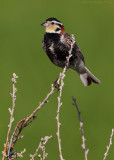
point(41, 147)
point(81, 129)
point(108, 147)
point(61, 78)
point(15, 155)
point(26, 121)
point(11, 111)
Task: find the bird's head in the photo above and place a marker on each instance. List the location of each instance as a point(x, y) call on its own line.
point(52, 25)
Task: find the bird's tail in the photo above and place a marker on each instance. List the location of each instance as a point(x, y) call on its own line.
point(88, 78)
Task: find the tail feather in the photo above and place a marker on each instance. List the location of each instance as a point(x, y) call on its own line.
point(88, 78)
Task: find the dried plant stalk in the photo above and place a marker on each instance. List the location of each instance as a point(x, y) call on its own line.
point(11, 111)
point(108, 147)
point(60, 79)
point(26, 121)
point(9, 146)
point(42, 148)
point(81, 129)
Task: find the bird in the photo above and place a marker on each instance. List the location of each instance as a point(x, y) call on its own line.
point(57, 44)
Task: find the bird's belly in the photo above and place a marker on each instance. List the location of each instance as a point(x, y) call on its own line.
point(60, 62)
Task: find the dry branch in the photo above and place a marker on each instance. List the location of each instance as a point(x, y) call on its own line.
point(26, 121)
point(11, 111)
point(8, 151)
point(42, 148)
point(60, 79)
point(81, 129)
point(108, 147)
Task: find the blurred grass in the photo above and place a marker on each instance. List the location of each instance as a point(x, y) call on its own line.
point(21, 52)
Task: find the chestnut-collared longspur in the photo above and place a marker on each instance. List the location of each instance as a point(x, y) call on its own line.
point(57, 43)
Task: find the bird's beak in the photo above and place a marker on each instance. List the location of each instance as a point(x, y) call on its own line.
point(44, 24)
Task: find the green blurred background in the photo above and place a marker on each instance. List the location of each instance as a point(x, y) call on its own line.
point(92, 23)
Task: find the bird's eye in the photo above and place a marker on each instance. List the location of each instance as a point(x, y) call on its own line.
point(52, 23)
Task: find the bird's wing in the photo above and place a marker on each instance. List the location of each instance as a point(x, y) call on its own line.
point(77, 51)
point(64, 44)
